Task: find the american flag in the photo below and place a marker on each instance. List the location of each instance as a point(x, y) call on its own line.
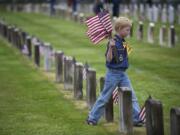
point(84, 73)
point(115, 95)
point(99, 27)
point(142, 114)
point(85, 68)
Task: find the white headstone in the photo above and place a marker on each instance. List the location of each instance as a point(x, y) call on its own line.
point(151, 33)
point(171, 14)
point(25, 49)
point(81, 18)
point(155, 13)
point(162, 35)
point(34, 40)
point(171, 36)
point(126, 11)
point(8, 7)
point(141, 10)
point(37, 8)
point(41, 49)
point(150, 13)
point(28, 8)
point(47, 57)
point(140, 31)
point(75, 16)
point(178, 13)
point(121, 9)
point(91, 7)
point(135, 12)
point(164, 14)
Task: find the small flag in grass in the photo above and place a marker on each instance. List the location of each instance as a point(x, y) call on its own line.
point(142, 113)
point(85, 68)
point(115, 95)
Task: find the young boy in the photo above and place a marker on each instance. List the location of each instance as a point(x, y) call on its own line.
point(116, 75)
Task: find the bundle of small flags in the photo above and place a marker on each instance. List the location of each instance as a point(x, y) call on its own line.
point(99, 27)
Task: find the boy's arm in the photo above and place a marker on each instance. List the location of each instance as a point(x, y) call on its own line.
point(109, 54)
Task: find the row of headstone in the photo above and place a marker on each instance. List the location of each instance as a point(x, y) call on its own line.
point(61, 9)
point(29, 8)
point(154, 118)
point(167, 37)
point(71, 72)
point(164, 13)
point(80, 7)
point(68, 14)
point(67, 70)
point(155, 13)
point(178, 11)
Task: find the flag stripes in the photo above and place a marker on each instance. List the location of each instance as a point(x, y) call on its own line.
point(105, 20)
point(99, 27)
point(115, 95)
point(142, 114)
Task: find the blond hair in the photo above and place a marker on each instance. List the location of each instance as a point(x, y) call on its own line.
point(122, 22)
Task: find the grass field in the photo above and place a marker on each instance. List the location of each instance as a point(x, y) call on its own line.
point(32, 105)
point(154, 70)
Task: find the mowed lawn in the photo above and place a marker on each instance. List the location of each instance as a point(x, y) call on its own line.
point(31, 105)
point(154, 70)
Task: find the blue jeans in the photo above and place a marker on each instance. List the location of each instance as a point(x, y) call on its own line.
point(113, 78)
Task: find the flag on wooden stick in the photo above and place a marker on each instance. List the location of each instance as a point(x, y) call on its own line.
point(115, 95)
point(99, 27)
point(142, 113)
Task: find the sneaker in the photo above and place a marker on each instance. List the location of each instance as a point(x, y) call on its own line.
point(90, 122)
point(138, 124)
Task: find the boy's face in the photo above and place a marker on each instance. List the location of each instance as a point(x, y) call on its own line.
point(125, 31)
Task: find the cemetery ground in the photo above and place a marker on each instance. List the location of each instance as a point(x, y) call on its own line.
point(31, 104)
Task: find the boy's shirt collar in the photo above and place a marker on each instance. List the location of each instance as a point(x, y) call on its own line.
point(117, 37)
point(123, 43)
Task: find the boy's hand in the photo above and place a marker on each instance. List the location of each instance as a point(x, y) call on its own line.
point(111, 43)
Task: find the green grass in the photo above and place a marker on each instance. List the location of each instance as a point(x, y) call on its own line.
point(32, 105)
point(154, 70)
